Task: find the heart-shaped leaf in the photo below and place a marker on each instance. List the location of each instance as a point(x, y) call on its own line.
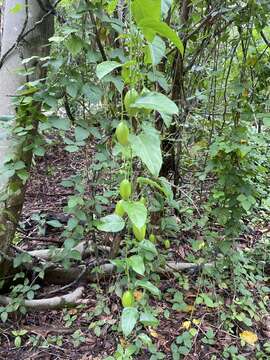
point(137, 264)
point(111, 223)
point(128, 320)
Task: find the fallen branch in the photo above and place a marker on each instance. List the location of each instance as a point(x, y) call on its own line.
point(48, 254)
point(62, 276)
point(172, 266)
point(48, 304)
point(84, 248)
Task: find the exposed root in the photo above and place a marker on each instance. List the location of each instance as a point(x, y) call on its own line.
point(62, 276)
point(50, 303)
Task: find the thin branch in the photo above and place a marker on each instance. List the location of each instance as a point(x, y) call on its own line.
point(99, 44)
point(208, 19)
point(265, 38)
point(23, 34)
point(226, 86)
point(98, 41)
point(68, 110)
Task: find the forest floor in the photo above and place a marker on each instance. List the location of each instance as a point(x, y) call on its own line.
point(86, 331)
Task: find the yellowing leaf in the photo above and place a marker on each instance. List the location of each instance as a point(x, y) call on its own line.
point(153, 333)
point(249, 337)
point(196, 321)
point(245, 93)
point(186, 325)
point(223, 285)
point(189, 308)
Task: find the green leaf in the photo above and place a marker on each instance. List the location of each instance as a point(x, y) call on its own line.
point(75, 254)
point(106, 67)
point(147, 245)
point(150, 182)
point(39, 151)
point(55, 223)
point(112, 6)
point(159, 77)
point(156, 101)
point(81, 133)
point(16, 8)
point(145, 284)
point(59, 123)
point(71, 148)
point(146, 9)
point(137, 264)
point(208, 301)
point(145, 339)
point(166, 118)
point(74, 44)
point(147, 147)
point(30, 295)
point(246, 201)
point(117, 81)
point(147, 319)
point(22, 259)
point(128, 320)
point(111, 223)
point(4, 316)
point(69, 244)
point(18, 165)
point(72, 88)
point(22, 332)
point(23, 175)
point(266, 121)
point(57, 39)
point(18, 341)
point(167, 189)
point(156, 51)
point(151, 27)
point(137, 212)
point(92, 92)
point(74, 201)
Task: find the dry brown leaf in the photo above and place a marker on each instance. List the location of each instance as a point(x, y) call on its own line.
point(73, 311)
point(123, 342)
point(138, 295)
point(153, 333)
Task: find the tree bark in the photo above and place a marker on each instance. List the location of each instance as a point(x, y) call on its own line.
point(25, 34)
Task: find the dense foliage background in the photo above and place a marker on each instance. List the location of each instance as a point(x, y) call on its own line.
point(150, 177)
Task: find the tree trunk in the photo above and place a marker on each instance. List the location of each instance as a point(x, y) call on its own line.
point(24, 34)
